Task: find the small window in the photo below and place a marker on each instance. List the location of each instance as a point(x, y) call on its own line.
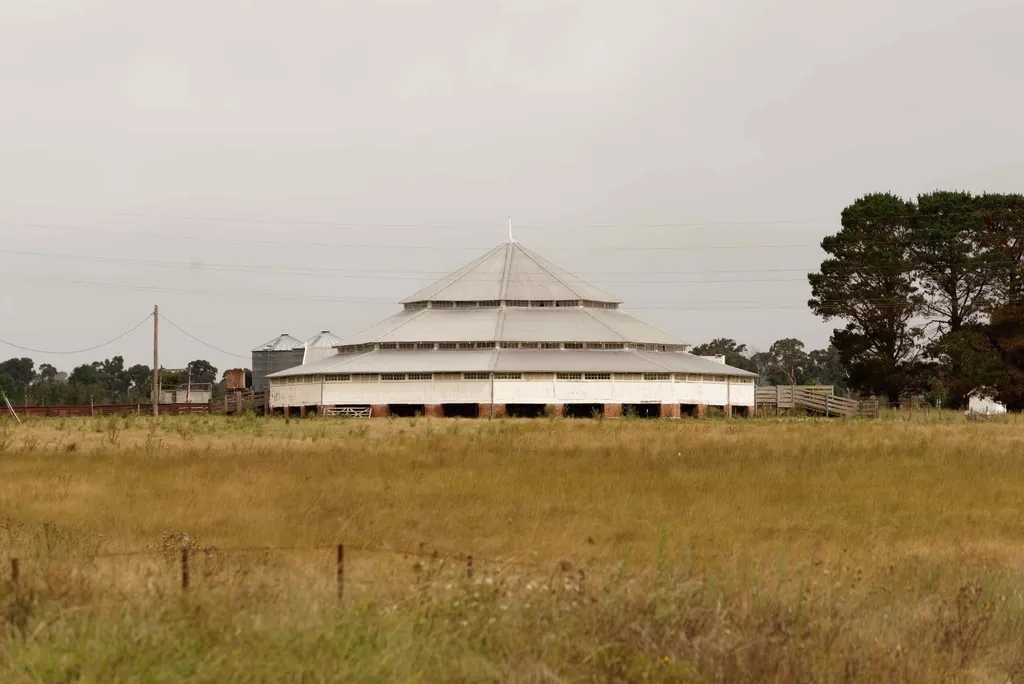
point(484, 345)
point(567, 302)
point(421, 376)
point(657, 376)
point(387, 345)
point(628, 377)
point(550, 345)
point(365, 377)
point(597, 376)
point(713, 378)
point(570, 376)
point(491, 303)
point(510, 345)
point(337, 378)
point(476, 376)
point(517, 302)
point(406, 345)
point(540, 376)
point(424, 345)
point(447, 345)
point(467, 345)
point(442, 305)
point(530, 345)
point(448, 377)
point(614, 345)
point(543, 304)
point(508, 376)
point(573, 345)
point(391, 377)
point(465, 305)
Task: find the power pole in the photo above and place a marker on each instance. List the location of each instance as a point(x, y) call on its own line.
point(156, 361)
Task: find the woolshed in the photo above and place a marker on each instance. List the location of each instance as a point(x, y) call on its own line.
point(511, 334)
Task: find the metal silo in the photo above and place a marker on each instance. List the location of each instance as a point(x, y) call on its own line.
point(281, 353)
point(321, 346)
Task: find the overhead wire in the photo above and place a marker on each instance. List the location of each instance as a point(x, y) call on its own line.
point(79, 351)
point(206, 344)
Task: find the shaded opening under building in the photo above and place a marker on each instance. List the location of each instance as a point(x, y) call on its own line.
point(406, 410)
point(584, 410)
point(460, 410)
point(641, 410)
point(525, 410)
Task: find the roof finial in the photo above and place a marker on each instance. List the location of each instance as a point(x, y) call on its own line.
point(510, 238)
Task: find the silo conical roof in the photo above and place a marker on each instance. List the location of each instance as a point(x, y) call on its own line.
point(283, 342)
point(323, 340)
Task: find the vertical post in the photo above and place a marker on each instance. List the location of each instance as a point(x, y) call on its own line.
point(778, 399)
point(341, 571)
point(92, 406)
point(728, 396)
point(184, 569)
point(15, 570)
point(188, 384)
point(469, 567)
point(156, 361)
point(826, 406)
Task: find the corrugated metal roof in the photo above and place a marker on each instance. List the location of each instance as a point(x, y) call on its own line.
point(514, 360)
point(510, 271)
point(283, 342)
point(510, 324)
point(323, 340)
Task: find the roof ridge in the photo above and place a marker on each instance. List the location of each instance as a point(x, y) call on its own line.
point(505, 271)
point(541, 261)
point(614, 331)
point(458, 274)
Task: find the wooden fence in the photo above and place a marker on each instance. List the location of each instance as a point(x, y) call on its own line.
point(87, 410)
point(816, 398)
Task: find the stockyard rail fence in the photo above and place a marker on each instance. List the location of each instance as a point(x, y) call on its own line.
point(182, 561)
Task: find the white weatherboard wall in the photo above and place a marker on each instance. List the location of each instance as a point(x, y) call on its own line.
point(512, 392)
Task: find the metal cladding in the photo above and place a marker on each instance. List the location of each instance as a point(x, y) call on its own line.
point(509, 311)
point(320, 347)
point(510, 272)
point(283, 342)
point(281, 353)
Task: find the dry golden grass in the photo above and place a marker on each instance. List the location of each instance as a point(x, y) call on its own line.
point(763, 550)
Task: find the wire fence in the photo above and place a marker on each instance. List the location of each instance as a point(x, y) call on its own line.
point(186, 556)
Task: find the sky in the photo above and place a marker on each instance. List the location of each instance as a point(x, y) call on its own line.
point(257, 167)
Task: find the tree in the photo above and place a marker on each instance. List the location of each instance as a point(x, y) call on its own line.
point(735, 354)
point(20, 371)
point(868, 282)
point(47, 373)
point(949, 259)
point(203, 371)
point(789, 360)
point(825, 367)
point(141, 379)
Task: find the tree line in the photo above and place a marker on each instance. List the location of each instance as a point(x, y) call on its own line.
point(930, 294)
point(100, 382)
point(787, 362)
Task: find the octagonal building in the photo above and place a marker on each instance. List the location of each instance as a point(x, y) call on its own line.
point(511, 334)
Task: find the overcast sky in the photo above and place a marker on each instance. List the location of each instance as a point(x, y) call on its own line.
point(303, 165)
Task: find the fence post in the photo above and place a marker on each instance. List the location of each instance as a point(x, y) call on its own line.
point(341, 571)
point(469, 567)
point(15, 570)
point(184, 569)
point(778, 399)
point(826, 406)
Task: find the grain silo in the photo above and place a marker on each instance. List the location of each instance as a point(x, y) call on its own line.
point(281, 353)
point(321, 346)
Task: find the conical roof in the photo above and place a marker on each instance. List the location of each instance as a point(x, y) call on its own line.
point(511, 272)
point(323, 340)
point(283, 342)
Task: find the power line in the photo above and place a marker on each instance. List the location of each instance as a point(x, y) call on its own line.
point(477, 225)
point(79, 351)
point(207, 344)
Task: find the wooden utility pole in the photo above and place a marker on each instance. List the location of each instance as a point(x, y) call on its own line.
point(156, 361)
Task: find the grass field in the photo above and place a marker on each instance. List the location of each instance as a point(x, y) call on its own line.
point(746, 550)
